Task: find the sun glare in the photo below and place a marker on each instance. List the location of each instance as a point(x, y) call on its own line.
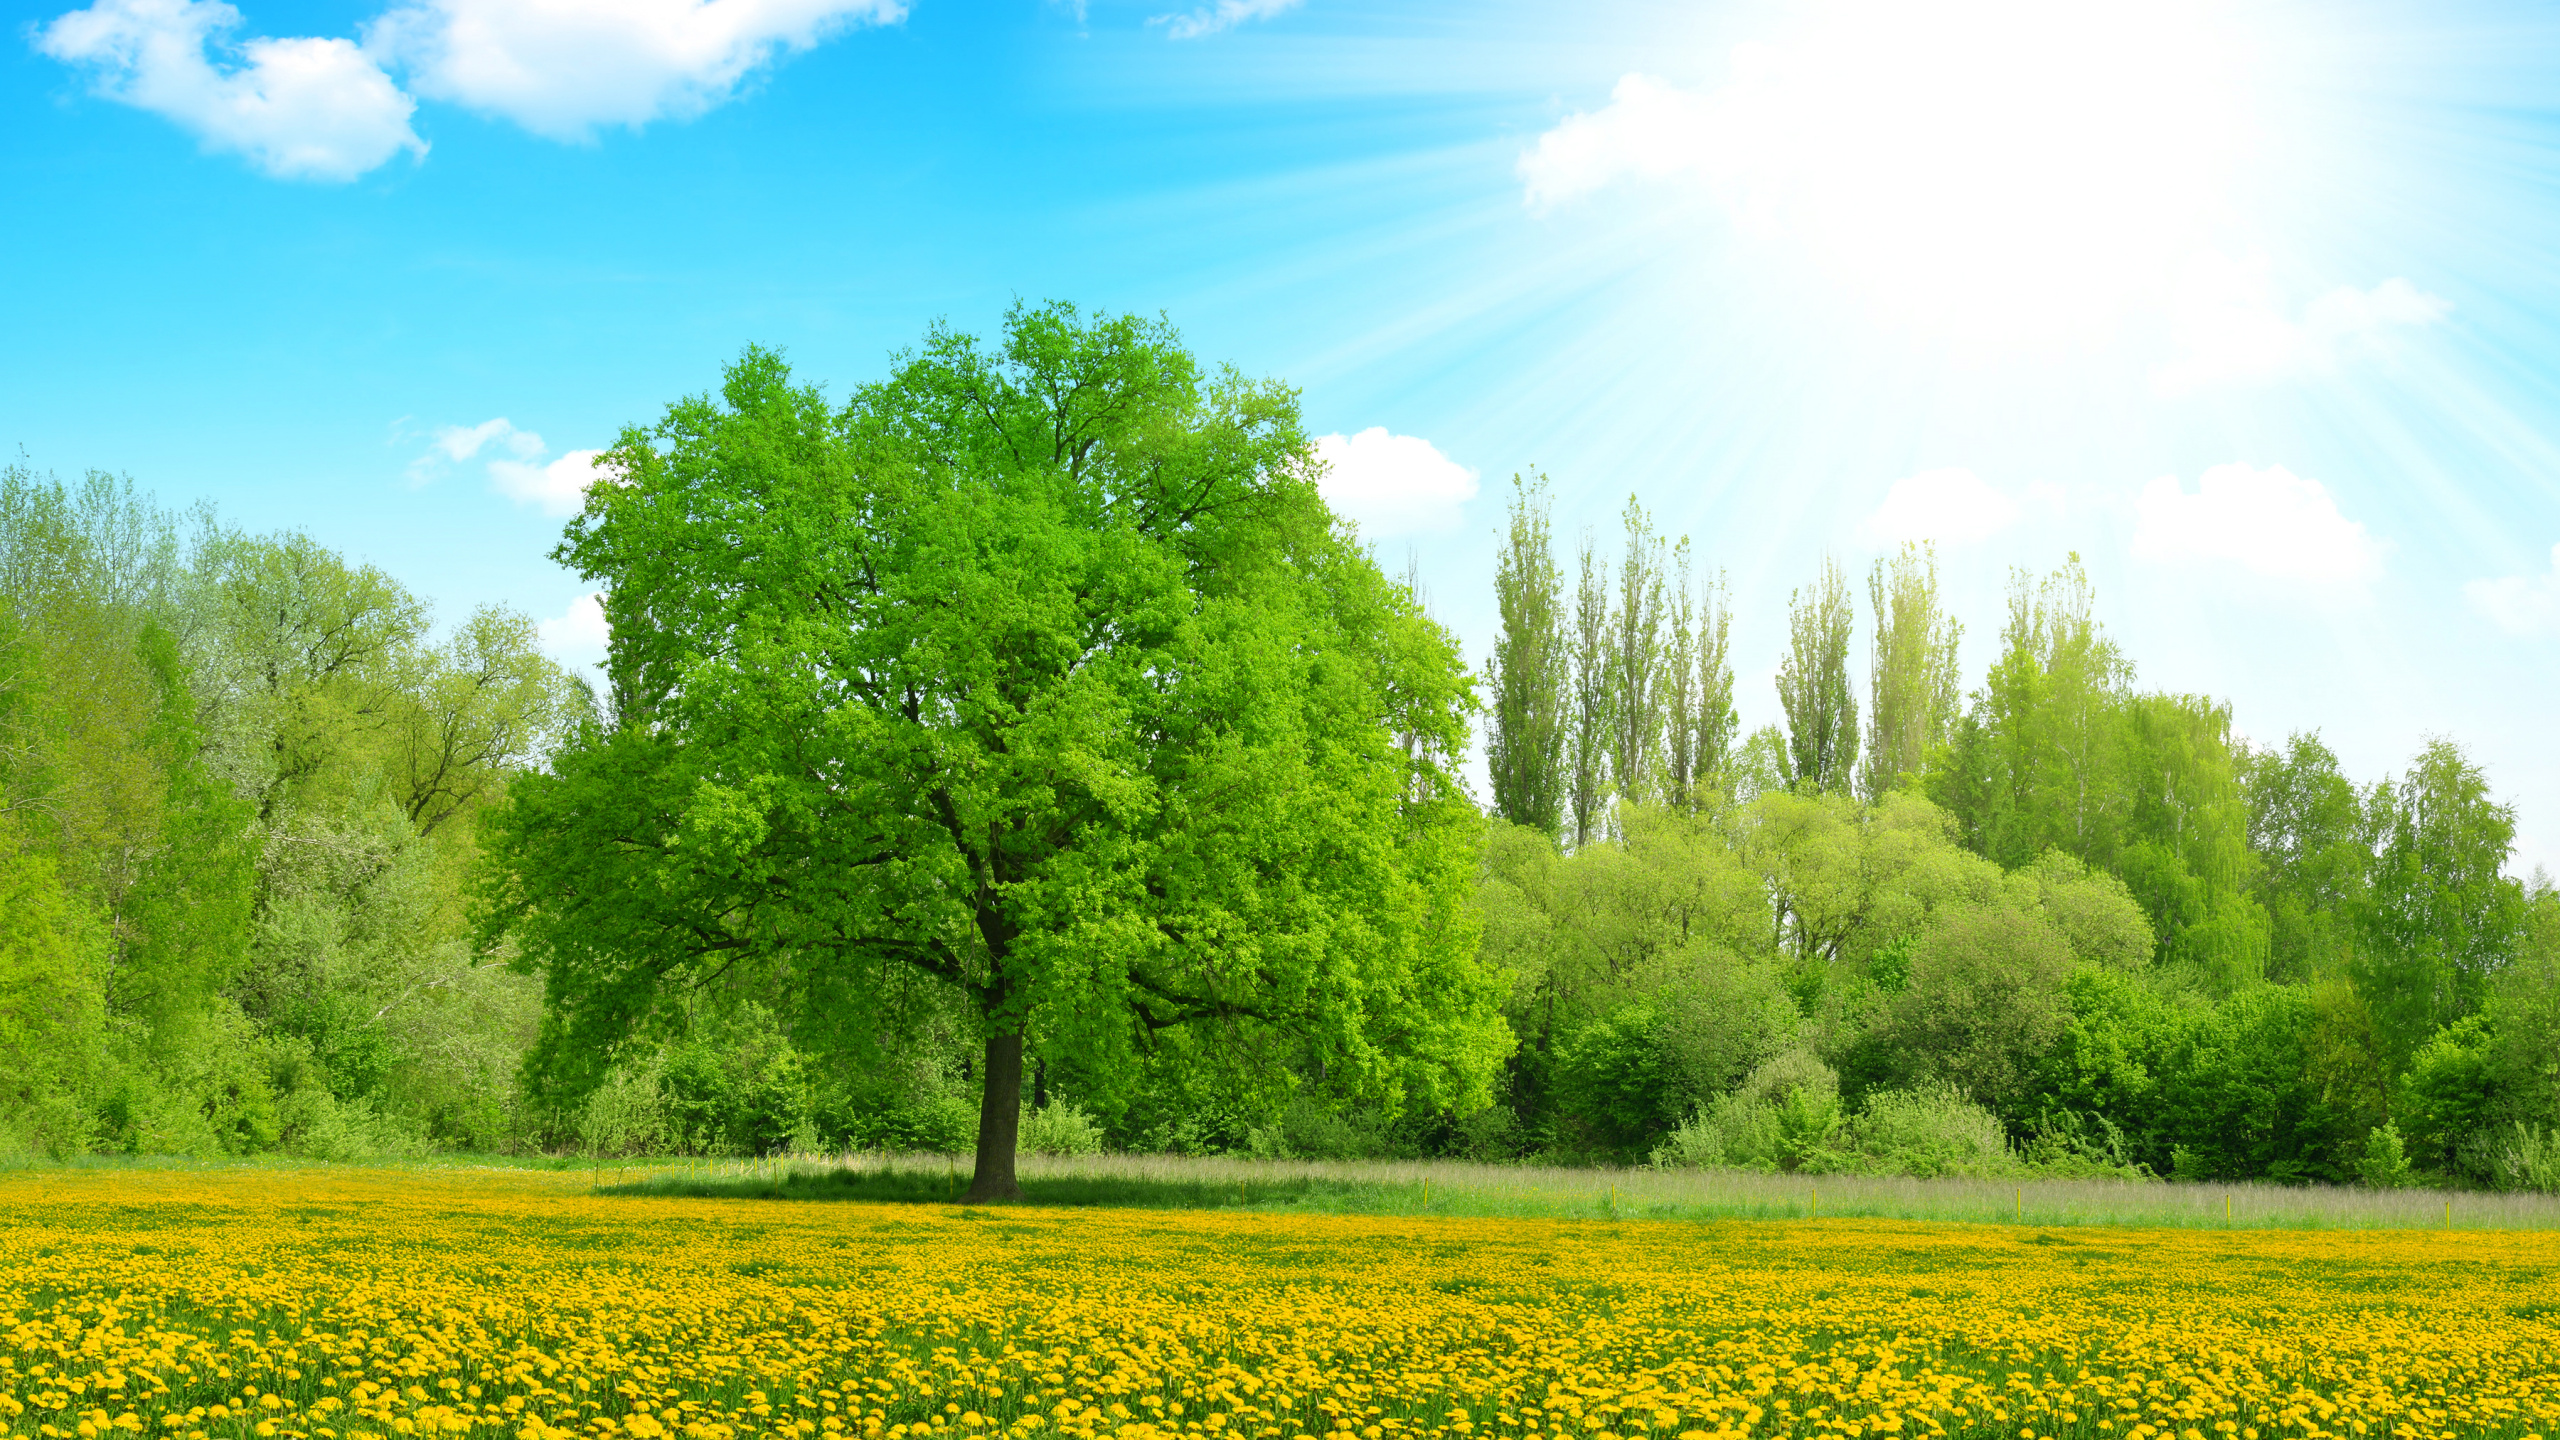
point(2003, 168)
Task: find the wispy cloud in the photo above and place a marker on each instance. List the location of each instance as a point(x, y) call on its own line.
point(516, 462)
point(2520, 604)
point(1650, 130)
point(2231, 330)
point(1220, 15)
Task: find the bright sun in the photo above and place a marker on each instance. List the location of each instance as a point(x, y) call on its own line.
point(2001, 167)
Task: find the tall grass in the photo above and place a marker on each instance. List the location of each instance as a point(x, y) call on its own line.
point(1445, 1187)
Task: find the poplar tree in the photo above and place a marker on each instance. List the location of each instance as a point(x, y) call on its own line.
point(1913, 683)
point(1531, 670)
point(1680, 687)
point(1588, 777)
point(1813, 681)
point(1716, 725)
point(1635, 661)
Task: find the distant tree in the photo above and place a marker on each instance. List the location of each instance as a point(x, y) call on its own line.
point(1594, 714)
point(2060, 753)
point(1038, 674)
point(1635, 653)
point(2444, 918)
point(1914, 690)
point(1680, 686)
point(1715, 725)
point(2310, 829)
point(1813, 682)
point(1531, 672)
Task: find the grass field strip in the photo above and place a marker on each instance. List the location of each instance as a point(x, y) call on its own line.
point(364, 1305)
point(1443, 1187)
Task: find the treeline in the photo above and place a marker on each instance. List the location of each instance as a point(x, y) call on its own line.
point(2049, 920)
point(239, 785)
point(2060, 919)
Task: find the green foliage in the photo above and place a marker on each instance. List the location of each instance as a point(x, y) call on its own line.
point(2060, 754)
point(1813, 683)
point(2311, 831)
point(1789, 1116)
point(1529, 672)
point(2527, 1157)
point(1594, 715)
point(1915, 687)
point(2449, 1093)
point(240, 782)
point(2443, 917)
point(51, 964)
point(2238, 1096)
point(1061, 1128)
point(2383, 1165)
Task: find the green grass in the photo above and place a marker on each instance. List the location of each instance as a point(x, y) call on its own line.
point(1457, 1188)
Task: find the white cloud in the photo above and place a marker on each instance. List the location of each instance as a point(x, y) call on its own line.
point(299, 109)
point(1649, 130)
point(558, 488)
point(515, 464)
point(2271, 522)
point(579, 636)
point(1952, 505)
point(2230, 329)
point(2520, 604)
point(461, 442)
point(560, 68)
point(1219, 15)
point(1392, 484)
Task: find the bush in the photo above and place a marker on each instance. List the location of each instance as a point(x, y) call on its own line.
point(2384, 1165)
point(1061, 1128)
point(2528, 1160)
point(1310, 1130)
point(1929, 1130)
point(624, 1115)
point(318, 1125)
point(1770, 1121)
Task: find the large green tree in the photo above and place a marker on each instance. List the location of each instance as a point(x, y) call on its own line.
point(1040, 672)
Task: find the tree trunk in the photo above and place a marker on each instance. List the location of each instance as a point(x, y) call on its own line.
point(999, 1123)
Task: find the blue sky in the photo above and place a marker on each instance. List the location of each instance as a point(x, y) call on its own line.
point(2256, 307)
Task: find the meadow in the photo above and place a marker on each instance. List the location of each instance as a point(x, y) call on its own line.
point(362, 1304)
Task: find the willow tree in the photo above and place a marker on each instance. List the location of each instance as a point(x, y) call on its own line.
point(1038, 673)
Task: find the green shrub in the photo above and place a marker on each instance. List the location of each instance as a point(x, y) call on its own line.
point(1768, 1122)
point(1929, 1130)
point(1061, 1128)
point(1307, 1129)
point(2384, 1165)
point(2529, 1159)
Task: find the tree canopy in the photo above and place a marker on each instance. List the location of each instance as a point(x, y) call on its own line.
point(1038, 673)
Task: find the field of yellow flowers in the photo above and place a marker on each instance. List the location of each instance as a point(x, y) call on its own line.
point(364, 1305)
